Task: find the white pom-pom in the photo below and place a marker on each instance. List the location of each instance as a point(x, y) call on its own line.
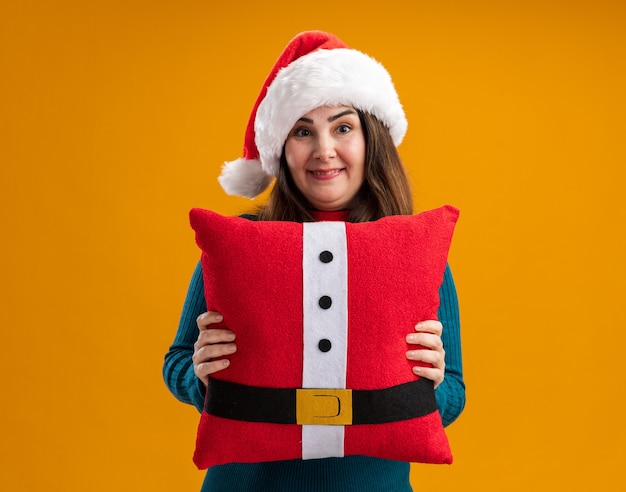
point(243, 177)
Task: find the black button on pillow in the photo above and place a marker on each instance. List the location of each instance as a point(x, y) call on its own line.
point(325, 302)
point(326, 257)
point(324, 345)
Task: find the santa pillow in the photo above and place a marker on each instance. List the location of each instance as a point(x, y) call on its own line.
point(321, 312)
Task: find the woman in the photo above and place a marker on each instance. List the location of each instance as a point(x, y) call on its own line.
point(326, 126)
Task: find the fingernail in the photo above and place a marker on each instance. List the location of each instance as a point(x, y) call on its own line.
point(225, 362)
point(231, 348)
point(417, 370)
point(219, 317)
point(230, 336)
point(411, 338)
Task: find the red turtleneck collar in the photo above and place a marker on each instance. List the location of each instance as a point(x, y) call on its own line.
point(334, 216)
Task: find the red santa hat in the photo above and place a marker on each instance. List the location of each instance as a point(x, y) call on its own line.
point(315, 69)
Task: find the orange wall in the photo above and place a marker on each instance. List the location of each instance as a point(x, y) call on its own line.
point(115, 118)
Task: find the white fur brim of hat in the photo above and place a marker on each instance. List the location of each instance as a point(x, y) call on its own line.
point(337, 77)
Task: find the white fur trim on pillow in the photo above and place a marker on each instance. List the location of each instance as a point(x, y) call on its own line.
point(324, 78)
point(243, 177)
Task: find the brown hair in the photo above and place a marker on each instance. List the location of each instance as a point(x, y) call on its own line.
point(385, 189)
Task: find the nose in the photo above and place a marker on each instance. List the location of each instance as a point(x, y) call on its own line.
point(324, 148)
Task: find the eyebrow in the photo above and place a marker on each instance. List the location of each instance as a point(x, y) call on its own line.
point(332, 118)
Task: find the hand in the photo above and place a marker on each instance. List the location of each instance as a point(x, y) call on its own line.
point(430, 351)
point(212, 343)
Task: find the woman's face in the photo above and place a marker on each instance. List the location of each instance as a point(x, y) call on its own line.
point(325, 153)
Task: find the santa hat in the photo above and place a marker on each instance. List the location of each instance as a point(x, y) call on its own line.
point(315, 69)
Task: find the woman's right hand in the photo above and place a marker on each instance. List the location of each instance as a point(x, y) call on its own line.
point(212, 343)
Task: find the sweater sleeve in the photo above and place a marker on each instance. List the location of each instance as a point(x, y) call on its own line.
point(178, 372)
point(450, 393)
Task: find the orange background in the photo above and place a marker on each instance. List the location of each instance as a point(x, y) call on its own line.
point(115, 118)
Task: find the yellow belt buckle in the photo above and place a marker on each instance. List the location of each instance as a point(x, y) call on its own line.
point(324, 406)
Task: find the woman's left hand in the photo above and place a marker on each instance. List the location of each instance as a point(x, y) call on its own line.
point(428, 336)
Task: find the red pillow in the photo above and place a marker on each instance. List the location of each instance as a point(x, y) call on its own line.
point(321, 311)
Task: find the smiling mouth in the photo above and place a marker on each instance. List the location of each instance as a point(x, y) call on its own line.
point(328, 173)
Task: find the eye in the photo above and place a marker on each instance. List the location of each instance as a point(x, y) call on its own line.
point(301, 132)
point(344, 128)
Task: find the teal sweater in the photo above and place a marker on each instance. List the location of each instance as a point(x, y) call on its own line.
point(352, 473)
